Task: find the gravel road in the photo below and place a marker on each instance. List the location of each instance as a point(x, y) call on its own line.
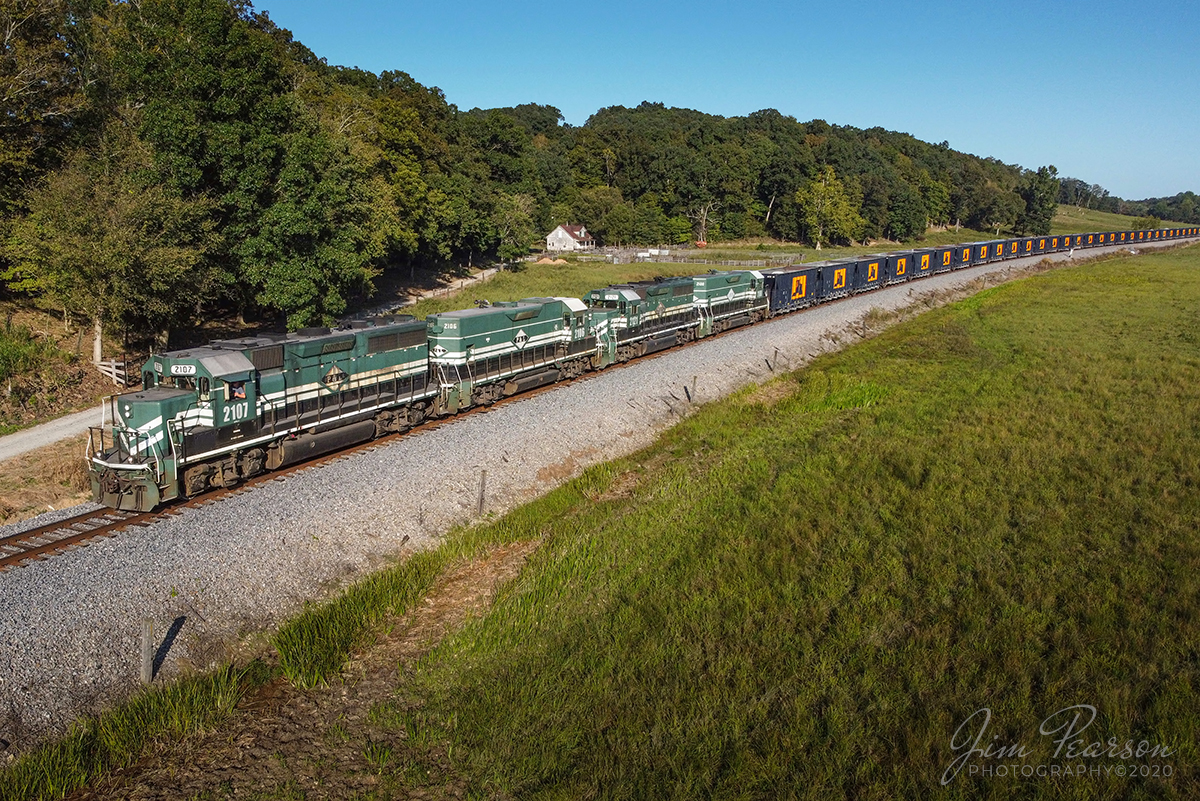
point(213, 575)
point(48, 433)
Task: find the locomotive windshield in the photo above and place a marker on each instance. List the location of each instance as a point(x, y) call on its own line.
point(187, 382)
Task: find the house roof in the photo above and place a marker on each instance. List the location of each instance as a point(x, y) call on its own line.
point(576, 232)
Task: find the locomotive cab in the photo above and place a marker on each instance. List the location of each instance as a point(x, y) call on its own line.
point(192, 402)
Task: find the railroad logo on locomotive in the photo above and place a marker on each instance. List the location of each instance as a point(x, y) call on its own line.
point(521, 338)
point(335, 376)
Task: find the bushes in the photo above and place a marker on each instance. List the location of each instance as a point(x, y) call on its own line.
point(22, 352)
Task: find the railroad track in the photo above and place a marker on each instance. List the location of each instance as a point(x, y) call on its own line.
point(74, 532)
point(42, 542)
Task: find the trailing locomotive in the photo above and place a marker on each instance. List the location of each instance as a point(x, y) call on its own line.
point(216, 415)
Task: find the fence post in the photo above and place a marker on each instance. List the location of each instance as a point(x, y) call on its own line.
point(147, 650)
point(482, 490)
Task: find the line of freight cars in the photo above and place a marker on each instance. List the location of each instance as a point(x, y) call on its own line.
point(216, 415)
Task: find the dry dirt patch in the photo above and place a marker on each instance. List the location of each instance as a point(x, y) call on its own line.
point(292, 743)
point(556, 474)
point(52, 477)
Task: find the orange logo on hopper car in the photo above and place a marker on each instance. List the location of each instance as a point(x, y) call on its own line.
point(839, 279)
point(900, 266)
point(799, 286)
point(872, 271)
point(925, 262)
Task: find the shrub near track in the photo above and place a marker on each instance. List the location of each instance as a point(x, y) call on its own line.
point(804, 590)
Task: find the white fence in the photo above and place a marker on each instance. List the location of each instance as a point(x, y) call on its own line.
point(115, 370)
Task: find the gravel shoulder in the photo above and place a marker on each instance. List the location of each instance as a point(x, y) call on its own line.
point(220, 576)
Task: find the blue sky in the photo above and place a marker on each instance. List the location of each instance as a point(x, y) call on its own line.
point(1105, 91)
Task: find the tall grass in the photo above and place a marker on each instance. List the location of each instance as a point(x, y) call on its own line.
point(1072, 220)
point(803, 592)
point(116, 739)
point(572, 279)
point(21, 352)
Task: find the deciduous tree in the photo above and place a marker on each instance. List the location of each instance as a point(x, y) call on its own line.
point(41, 87)
point(108, 243)
point(1040, 192)
point(825, 211)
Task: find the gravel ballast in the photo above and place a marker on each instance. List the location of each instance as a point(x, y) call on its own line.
point(219, 573)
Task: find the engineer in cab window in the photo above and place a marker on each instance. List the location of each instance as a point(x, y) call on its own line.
point(238, 390)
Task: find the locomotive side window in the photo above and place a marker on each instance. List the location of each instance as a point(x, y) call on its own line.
point(204, 388)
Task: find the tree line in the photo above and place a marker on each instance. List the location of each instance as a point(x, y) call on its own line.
point(165, 160)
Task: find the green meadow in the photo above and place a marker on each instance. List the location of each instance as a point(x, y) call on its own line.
point(577, 277)
point(1072, 220)
point(804, 590)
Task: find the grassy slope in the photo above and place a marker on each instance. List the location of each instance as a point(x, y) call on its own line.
point(992, 506)
point(1070, 220)
point(572, 279)
point(575, 278)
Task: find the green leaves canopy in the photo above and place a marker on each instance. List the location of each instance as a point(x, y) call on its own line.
point(826, 212)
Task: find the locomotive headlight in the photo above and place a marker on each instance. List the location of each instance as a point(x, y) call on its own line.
point(126, 410)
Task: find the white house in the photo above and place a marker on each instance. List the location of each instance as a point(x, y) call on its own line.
point(569, 238)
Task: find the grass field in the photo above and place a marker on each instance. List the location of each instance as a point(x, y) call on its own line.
point(575, 278)
point(795, 250)
point(572, 279)
point(804, 590)
point(1070, 220)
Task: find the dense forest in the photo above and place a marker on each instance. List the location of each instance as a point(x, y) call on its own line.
point(164, 160)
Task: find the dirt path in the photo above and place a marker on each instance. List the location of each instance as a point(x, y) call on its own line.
point(326, 743)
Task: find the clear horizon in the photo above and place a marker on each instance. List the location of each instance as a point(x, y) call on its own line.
point(1092, 88)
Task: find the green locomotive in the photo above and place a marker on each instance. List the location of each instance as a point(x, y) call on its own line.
point(216, 415)
point(478, 356)
point(213, 416)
